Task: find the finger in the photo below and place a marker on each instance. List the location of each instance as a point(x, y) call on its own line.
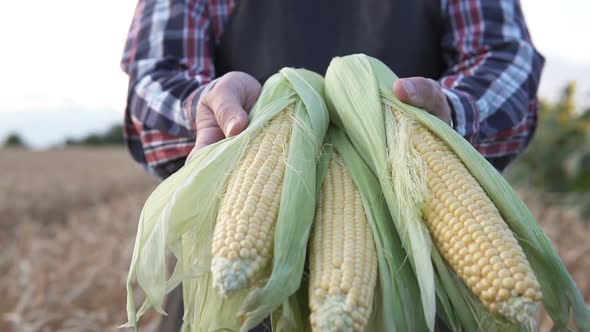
point(208, 131)
point(231, 100)
point(421, 92)
point(250, 90)
point(226, 109)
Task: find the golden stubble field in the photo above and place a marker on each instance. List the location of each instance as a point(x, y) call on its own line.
point(67, 225)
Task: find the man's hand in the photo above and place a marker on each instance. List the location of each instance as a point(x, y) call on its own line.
point(223, 111)
point(424, 93)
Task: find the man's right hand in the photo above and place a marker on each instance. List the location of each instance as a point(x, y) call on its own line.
point(223, 110)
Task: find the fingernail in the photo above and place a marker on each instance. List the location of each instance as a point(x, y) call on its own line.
point(410, 88)
point(231, 124)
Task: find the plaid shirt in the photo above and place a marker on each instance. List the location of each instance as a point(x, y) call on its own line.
point(490, 82)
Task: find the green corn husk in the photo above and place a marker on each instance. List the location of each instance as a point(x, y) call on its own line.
point(396, 285)
point(396, 307)
point(180, 216)
point(293, 315)
point(355, 106)
point(359, 89)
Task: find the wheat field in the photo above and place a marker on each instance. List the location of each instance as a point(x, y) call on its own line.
point(67, 224)
point(68, 220)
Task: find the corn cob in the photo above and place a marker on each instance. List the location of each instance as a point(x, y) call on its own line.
point(470, 233)
point(183, 212)
point(360, 97)
point(343, 262)
point(243, 235)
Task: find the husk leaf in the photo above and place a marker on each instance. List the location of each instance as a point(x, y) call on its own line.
point(354, 102)
point(396, 307)
point(561, 297)
point(298, 200)
point(180, 214)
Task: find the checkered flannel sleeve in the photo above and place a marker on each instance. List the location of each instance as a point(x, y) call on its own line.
point(492, 76)
point(168, 58)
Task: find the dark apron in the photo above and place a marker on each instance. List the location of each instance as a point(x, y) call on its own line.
point(263, 36)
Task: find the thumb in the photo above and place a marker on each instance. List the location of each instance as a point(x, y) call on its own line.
point(420, 92)
point(232, 118)
point(231, 99)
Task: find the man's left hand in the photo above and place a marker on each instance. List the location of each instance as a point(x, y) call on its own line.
point(424, 93)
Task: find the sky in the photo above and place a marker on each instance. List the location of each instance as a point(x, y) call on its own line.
point(59, 67)
point(60, 73)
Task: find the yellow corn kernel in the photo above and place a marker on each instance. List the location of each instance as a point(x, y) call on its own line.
point(243, 235)
point(484, 233)
point(343, 260)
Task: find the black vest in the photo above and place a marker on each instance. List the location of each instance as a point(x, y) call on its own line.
point(263, 36)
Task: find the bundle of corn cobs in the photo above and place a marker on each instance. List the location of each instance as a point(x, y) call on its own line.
point(340, 208)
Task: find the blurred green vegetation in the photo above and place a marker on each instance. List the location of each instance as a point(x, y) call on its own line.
point(14, 140)
point(558, 159)
point(112, 136)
